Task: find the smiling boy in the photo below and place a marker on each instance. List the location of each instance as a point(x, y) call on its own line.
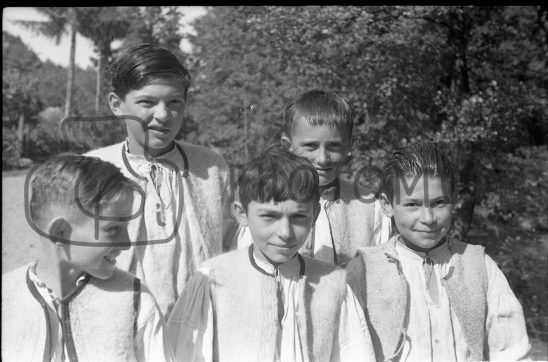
point(73, 303)
point(428, 297)
point(186, 212)
point(267, 302)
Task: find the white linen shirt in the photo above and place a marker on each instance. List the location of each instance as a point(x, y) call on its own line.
point(434, 332)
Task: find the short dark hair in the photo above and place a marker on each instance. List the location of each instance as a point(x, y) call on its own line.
point(278, 174)
point(55, 182)
point(425, 158)
point(139, 65)
point(319, 107)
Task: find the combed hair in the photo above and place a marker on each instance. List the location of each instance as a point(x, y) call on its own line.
point(319, 107)
point(140, 65)
point(418, 159)
point(67, 176)
point(277, 174)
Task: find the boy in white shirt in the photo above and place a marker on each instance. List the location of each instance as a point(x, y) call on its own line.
point(73, 303)
point(267, 302)
point(428, 297)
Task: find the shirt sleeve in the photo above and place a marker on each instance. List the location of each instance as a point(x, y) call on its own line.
point(151, 337)
point(382, 225)
point(354, 340)
point(190, 324)
point(505, 324)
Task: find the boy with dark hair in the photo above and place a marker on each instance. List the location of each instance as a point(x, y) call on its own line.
point(426, 296)
point(73, 303)
point(318, 127)
point(187, 212)
point(267, 302)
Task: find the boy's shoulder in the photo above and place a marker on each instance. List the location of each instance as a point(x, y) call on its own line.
point(107, 153)
point(200, 155)
point(15, 278)
point(228, 259)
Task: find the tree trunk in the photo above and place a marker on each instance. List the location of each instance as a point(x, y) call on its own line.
point(20, 135)
point(98, 83)
point(70, 76)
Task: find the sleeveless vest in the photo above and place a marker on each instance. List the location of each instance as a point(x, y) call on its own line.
point(384, 294)
point(245, 309)
point(99, 320)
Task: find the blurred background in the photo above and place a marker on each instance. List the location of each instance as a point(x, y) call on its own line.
point(474, 78)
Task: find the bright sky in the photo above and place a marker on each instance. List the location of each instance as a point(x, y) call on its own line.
point(46, 48)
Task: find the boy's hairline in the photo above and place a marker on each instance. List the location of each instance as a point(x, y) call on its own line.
point(290, 125)
point(398, 177)
point(152, 80)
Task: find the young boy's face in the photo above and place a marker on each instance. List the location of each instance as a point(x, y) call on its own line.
point(325, 146)
point(99, 260)
point(279, 230)
point(161, 106)
point(424, 217)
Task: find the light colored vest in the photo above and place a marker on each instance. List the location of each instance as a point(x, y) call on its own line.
point(378, 282)
point(351, 221)
point(245, 309)
point(100, 320)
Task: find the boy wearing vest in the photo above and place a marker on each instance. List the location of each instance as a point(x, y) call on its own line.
point(73, 304)
point(186, 211)
point(428, 297)
point(267, 302)
point(318, 127)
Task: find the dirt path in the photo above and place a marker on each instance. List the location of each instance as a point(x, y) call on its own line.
point(20, 244)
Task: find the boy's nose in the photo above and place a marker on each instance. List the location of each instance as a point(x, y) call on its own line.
point(284, 229)
point(161, 112)
point(427, 215)
point(322, 156)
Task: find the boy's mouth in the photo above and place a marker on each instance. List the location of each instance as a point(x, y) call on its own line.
point(158, 129)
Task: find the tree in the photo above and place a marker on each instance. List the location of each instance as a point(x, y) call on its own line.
point(19, 97)
point(102, 25)
point(59, 20)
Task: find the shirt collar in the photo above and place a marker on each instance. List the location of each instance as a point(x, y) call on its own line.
point(331, 191)
point(40, 285)
point(290, 269)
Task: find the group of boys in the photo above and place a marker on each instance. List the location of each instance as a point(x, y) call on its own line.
point(316, 275)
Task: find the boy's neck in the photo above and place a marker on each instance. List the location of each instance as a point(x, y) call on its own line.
point(61, 279)
point(422, 250)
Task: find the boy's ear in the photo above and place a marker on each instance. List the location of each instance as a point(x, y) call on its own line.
point(115, 103)
point(59, 228)
point(386, 205)
point(285, 141)
point(239, 213)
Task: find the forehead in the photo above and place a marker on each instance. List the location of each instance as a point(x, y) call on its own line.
point(283, 207)
point(154, 86)
point(302, 131)
point(416, 187)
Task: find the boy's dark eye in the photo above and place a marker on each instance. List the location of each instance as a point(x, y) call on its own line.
point(439, 203)
point(411, 204)
point(310, 146)
point(335, 147)
point(145, 102)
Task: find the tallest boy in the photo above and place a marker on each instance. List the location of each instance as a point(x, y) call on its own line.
point(186, 186)
point(318, 127)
